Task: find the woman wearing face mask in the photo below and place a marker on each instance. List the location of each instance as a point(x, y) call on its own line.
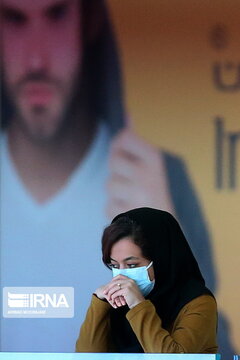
point(157, 301)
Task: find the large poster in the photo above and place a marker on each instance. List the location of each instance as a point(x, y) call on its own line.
point(102, 113)
point(182, 72)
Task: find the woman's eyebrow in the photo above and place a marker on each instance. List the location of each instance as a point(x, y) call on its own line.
point(126, 259)
point(131, 258)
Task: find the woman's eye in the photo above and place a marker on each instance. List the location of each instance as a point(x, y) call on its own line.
point(132, 265)
point(113, 266)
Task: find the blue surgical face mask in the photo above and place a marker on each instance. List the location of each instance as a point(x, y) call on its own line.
point(140, 276)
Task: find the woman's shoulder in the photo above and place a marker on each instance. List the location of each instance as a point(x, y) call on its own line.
point(201, 303)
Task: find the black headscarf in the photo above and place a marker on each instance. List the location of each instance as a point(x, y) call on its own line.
point(178, 279)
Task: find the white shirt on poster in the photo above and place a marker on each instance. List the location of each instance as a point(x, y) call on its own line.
point(54, 244)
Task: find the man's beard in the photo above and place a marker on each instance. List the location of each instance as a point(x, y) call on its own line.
point(38, 114)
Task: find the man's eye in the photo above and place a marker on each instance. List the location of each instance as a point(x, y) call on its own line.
point(57, 12)
point(13, 17)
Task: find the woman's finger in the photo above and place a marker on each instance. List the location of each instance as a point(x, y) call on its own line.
point(122, 299)
point(114, 291)
point(113, 286)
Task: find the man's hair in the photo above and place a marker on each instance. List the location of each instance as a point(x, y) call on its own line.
point(100, 73)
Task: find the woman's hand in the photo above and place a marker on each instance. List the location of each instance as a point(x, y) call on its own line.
point(121, 291)
point(101, 294)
